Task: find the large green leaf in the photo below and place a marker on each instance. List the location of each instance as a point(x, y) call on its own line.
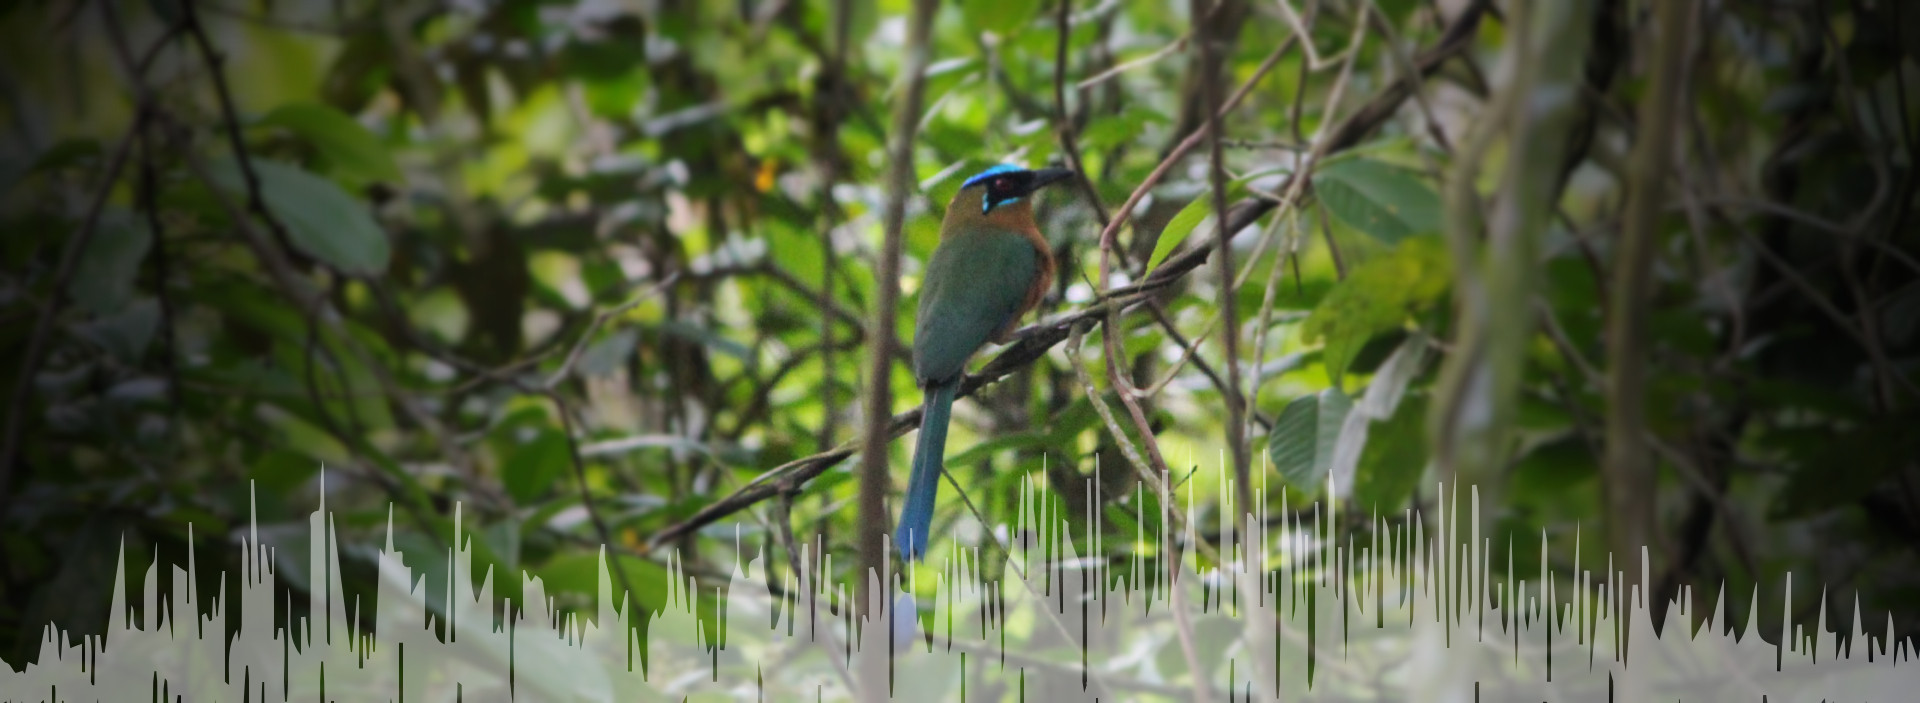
point(352, 150)
point(1377, 296)
point(322, 220)
point(1302, 440)
point(533, 467)
point(1385, 201)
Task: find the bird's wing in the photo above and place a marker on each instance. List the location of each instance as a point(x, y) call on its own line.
point(975, 283)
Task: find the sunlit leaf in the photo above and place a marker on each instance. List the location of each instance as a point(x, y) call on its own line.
point(1177, 229)
point(1378, 295)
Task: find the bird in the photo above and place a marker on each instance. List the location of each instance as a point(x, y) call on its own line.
point(991, 268)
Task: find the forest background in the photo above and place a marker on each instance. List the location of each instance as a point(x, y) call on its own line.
point(609, 273)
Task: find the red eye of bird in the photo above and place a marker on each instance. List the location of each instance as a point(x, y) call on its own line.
point(1002, 184)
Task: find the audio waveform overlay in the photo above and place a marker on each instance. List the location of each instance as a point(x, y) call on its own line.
point(1277, 608)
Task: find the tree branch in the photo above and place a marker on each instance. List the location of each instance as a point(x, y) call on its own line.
point(1629, 468)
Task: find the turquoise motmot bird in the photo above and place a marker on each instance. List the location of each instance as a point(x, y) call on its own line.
point(990, 269)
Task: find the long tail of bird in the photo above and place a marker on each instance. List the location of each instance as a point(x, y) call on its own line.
point(916, 516)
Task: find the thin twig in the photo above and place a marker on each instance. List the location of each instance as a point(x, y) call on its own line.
point(1125, 213)
point(879, 367)
point(1131, 64)
point(1007, 554)
point(216, 68)
point(1069, 142)
point(1228, 293)
point(579, 465)
point(600, 320)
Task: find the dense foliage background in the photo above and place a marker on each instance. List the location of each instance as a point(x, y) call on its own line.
point(592, 270)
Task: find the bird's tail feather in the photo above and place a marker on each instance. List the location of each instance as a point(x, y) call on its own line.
point(916, 515)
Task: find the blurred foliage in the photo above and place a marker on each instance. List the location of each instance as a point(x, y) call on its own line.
point(524, 253)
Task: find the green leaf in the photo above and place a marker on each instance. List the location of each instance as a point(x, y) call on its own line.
point(1196, 212)
point(579, 572)
point(1302, 440)
point(1106, 132)
point(711, 338)
point(1377, 296)
point(603, 357)
point(534, 466)
point(1382, 397)
point(347, 146)
point(1002, 17)
point(1385, 201)
point(104, 280)
point(1393, 460)
point(1179, 227)
point(322, 220)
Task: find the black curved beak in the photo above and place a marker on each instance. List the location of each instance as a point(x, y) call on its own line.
point(1048, 176)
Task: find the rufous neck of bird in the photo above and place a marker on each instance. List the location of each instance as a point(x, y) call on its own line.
point(965, 214)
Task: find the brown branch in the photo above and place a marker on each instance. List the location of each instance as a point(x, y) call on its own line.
point(829, 106)
point(216, 67)
point(1228, 294)
point(580, 345)
point(600, 527)
point(1629, 470)
point(874, 469)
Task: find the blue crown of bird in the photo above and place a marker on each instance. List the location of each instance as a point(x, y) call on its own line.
point(989, 270)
